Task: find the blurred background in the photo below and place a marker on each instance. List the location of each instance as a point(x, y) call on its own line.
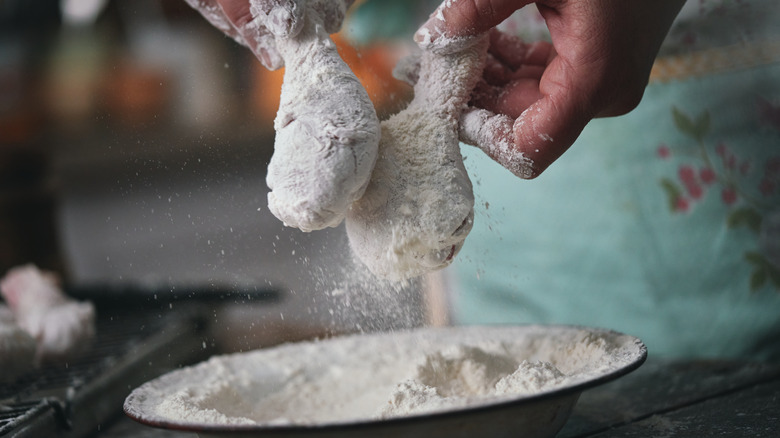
point(133, 144)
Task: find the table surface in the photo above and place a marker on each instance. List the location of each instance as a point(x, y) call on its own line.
point(661, 399)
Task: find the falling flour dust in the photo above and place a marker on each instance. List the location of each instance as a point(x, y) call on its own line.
point(369, 377)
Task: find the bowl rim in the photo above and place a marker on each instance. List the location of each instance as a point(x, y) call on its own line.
point(572, 390)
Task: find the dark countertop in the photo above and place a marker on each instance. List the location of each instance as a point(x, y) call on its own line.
point(661, 399)
point(682, 398)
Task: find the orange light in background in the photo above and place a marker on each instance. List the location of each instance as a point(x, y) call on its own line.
point(266, 89)
point(373, 66)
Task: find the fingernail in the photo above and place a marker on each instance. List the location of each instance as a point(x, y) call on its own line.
point(427, 33)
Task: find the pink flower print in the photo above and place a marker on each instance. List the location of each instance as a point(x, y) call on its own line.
point(731, 162)
point(707, 175)
point(695, 190)
point(729, 196)
point(664, 152)
point(769, 238)
point(768, 113)
point(767, 187)
point(688, 177)
point(744, 167)
point(722, 150)
point(772, 166)
point(771, 177)
point(682, 205)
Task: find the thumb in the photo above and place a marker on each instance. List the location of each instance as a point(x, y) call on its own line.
point(546, 129)
point(527, 145)
point(455, 21)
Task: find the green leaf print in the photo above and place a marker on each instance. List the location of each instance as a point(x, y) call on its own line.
point(673, 193)
point(774, 275)
point(764, 270)
point(746, 216)
point(694, 128)
point(755, 258)
point(757, 279)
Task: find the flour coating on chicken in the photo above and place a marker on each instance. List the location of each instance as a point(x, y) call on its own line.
point(327, 131)
point(59, 325)
point(419, 206)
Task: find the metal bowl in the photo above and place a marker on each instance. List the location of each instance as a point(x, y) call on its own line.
point(541, 414)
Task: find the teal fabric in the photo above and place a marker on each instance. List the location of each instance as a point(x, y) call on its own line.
point(382, 21)
point(613, 236)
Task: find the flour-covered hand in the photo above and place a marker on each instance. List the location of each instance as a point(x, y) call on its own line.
point(536, 98)
point(327, 131)
point(257, 23)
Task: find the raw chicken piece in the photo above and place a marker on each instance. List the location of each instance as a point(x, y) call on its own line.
point(17, 348)
point(327, 131)
point(419, 206)
point(60, 326)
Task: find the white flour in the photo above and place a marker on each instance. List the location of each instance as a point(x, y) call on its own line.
point(60, 326)
point(418, 207)
point(468, 375)
point(368, 377)
point(327, 131)
point(493, 133)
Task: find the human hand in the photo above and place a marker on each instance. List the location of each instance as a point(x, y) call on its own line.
point(535, 99)
point(257, 23)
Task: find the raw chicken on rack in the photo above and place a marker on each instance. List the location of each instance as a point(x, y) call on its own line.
point(327, 131)
point(60, 326)
point(17, 348)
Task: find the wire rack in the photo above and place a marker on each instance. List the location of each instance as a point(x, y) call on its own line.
point(131, 346)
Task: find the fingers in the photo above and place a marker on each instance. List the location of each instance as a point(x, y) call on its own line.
point(525, 146)
point(494, 134)
point(529, 122)
point(508, 49)
point(455, 22)
point(283, 18)
point(514, 53)
point(510, 99)
point(257, 23)
point(212, 12)
point(233, 17)
point(547, 129)
point(512, 75)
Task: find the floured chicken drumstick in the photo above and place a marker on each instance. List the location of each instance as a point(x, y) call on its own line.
point(327, 130)
point(60, 326)
point(17, 348)
point(492, 133)
point(419, 206)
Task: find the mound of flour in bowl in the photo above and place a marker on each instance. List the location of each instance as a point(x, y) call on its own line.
point(465, 375)
point(379, 376)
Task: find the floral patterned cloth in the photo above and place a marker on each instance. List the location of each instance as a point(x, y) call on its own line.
point(664, 223)
point(701, 24)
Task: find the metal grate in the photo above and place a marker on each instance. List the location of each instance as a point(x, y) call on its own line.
point(131, 346)
point(8, 414)
point(114, 336)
